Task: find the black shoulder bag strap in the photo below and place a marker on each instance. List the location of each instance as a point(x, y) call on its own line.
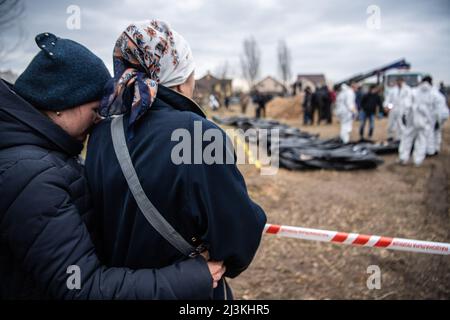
point(149, 211)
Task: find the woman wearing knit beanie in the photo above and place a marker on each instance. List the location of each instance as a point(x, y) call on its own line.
point(46, 251)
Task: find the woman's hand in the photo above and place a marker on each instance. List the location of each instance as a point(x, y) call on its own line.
point(216, 268)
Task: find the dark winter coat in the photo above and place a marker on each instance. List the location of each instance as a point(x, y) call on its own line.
point(44, 208)
point(206, 204)
point(370, 103)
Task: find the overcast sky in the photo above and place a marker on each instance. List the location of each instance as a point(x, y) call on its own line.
point(330, 37)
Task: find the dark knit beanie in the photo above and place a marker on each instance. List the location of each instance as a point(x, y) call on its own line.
point(63, 75)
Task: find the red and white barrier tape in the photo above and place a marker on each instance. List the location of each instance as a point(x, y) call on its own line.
point(359, 239)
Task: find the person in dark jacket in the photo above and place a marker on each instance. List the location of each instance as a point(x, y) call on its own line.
point(370, 103)
point(46, 251)
point(207, 204)
point(307, 107)
point(260, 99)
point(316, 106)
point(326, 103)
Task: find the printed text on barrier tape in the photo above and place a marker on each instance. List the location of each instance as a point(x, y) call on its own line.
point(359, 239)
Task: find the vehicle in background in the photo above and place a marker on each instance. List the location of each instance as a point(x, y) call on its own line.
point(411, 78)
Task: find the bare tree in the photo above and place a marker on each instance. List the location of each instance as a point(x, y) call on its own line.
point(10, 12)
point(284, 62)
point(223, 70)
point(250, 61)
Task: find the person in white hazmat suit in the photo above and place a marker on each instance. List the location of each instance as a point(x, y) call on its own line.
point(439, 114)
point(345, 110)
point(213, 103)
point(398, 99)
point(418, 119)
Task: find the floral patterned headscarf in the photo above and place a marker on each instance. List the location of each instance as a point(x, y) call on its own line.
point(146, 54)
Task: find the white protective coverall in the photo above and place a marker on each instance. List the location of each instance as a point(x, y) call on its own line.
point(213, 103)
point(419, 119)
point(345, 109)
point(440, 114)
point(398, 99)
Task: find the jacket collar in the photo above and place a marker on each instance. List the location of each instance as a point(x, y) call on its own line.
point(178, 101)
point(23, 112)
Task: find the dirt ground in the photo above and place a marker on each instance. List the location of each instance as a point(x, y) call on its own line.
point(396, 201)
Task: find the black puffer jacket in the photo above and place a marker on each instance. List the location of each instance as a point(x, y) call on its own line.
point(43, 201)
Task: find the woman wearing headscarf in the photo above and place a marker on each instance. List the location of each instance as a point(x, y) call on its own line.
point(46, 250)
point(208, 205)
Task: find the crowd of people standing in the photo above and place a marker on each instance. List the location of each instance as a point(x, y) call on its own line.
point(415, 115)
